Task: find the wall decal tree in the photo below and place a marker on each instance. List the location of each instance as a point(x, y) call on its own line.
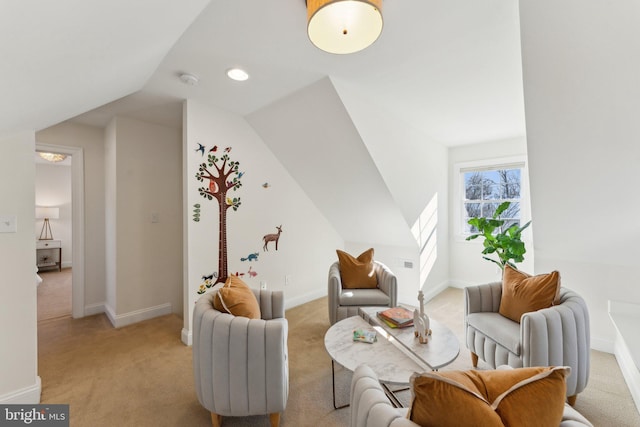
point(221, 175)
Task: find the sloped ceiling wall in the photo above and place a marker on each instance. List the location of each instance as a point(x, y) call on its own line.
point(72, 56)
point(313, 136)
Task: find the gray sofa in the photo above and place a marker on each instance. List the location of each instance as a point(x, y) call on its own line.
point(370, 407)
point(241, 365)
point(344, 303)
point(555, 336)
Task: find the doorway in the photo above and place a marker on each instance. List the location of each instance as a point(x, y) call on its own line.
point(77, 222)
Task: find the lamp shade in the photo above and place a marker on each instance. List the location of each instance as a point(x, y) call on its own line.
point(344, 26)
point(47, 212)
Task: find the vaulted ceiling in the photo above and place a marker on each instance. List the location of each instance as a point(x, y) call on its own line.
point(448, 70)
point(452, 69)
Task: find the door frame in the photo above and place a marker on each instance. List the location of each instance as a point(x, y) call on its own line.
point(77, 223)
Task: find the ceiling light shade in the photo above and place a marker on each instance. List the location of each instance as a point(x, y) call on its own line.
point(344, 26)
point(53, 157)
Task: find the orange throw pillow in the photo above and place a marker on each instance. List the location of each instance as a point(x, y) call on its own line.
point(524, 397)
point(522, 293)
point(236, 298)
point(357, 272)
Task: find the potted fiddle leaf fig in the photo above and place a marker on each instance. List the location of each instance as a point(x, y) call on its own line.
point(506, 244)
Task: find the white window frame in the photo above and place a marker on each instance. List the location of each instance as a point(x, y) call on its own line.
point(488, 164)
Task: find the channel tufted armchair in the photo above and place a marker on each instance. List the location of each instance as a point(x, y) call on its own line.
point(554, 336)
point(344, 302)
point(241, 365)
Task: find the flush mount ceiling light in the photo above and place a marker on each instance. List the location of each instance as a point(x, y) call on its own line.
point(189, 79)
point(237, 74)
point(344, 26)
point(53, 157)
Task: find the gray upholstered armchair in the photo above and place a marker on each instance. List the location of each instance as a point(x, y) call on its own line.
point(554, 336)
point(370, 406)
point(241, 365)
point(344, 303)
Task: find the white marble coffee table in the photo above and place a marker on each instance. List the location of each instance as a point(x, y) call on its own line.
point(396, 355)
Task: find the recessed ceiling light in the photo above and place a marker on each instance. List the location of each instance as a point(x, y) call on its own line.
point(237, 74)
point(189, 79)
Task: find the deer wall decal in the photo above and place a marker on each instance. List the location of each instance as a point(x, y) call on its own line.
point(272, 238)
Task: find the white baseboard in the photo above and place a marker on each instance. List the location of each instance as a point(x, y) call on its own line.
point(428, 295)
point(26, 396)
point(625, 317)
point(629, 369)
point(299, 300)
point(604, 345)
point(458, 284)
point(120, 320)
point(91, 309)
point(187, 337)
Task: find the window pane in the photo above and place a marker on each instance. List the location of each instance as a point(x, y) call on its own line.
point(509, 183)
point(490, 190)
point(508, 223)
point(488, 209)
point(473, 192)
point(485, 189)
point(513, 211)
point(472, 210)
point(473, 185)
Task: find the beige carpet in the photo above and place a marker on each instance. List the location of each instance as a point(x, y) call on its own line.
point(141, 375)
point(54, 294)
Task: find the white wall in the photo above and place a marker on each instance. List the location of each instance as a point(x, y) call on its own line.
point(307, 244)
point(146, 161)
point(18, 340)
point(110, 217)
point(91, 140)
point(415, 173)
point(53, 188)
point(466, 265)
point(582, 99)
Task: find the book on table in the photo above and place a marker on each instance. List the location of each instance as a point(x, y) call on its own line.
point(398, 317)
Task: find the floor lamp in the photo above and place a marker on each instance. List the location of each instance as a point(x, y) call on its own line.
point(46, 214)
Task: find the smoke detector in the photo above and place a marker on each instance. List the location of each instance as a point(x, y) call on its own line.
point(189, 79)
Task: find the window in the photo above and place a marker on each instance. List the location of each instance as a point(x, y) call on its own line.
point(484, 186)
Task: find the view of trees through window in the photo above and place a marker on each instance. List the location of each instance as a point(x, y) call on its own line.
point(484, 190)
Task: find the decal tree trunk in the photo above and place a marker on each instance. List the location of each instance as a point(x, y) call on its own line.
point(222, 175)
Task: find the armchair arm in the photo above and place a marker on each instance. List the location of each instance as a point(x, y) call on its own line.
point(559, 336)
point(240, 365)
point(335, 287)
point(370, 407)
point(271, 303)
point(387, 282)
point(482, 298)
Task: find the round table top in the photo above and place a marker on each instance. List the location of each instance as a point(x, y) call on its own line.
point(396, 354)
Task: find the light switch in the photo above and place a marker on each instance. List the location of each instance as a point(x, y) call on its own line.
point(8, 224)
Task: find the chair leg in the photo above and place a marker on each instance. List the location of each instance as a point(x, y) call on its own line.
point(571, 400)
point(216, 420)
point(474, 359)
point(275, 419)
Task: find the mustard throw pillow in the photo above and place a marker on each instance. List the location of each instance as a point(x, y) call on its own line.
point(236, 298)
point(522, 293)
point(357, 272)
point(524, 397)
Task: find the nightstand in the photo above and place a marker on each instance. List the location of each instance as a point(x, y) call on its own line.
point(49, 254)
